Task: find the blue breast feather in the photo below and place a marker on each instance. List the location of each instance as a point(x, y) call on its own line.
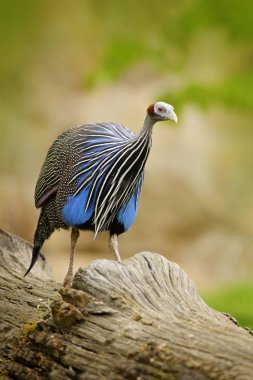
point(74, 213)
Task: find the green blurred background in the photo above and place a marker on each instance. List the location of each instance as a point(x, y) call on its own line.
point(69, 62)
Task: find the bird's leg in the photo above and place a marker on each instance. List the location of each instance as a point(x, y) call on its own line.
point(113, 244)
point(74, 236)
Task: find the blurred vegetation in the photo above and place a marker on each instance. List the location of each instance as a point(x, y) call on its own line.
point(204, 47)
point(163, 35)
point(236, 92)
point(119, 34)
point(235, 299)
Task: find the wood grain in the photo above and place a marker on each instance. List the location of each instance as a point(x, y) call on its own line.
point(140, 319)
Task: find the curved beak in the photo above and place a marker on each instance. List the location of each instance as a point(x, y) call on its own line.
point(172, 116)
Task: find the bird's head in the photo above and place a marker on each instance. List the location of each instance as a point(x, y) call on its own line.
point(161, 111)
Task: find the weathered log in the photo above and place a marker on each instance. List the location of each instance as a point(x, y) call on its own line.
point(141, 319)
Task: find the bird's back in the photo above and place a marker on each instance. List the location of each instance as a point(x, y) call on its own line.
point(53, 168)
point(68, 149)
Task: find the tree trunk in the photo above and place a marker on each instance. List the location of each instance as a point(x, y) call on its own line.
point(140, 319)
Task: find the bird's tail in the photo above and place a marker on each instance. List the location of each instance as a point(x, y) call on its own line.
point(43, 231)
point(35, 255)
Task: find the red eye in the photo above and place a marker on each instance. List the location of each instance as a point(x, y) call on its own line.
point(160, 109)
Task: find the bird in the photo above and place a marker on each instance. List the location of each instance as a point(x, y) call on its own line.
point(91, 180)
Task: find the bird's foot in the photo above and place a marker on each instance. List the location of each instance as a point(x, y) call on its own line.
point(67, 282)
point(113, 245)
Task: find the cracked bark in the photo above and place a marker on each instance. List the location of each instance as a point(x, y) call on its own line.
point(140, 319)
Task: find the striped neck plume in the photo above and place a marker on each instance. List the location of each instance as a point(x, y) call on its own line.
point(123, 179)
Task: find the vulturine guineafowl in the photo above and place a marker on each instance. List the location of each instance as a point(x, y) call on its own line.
point(92, 179)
